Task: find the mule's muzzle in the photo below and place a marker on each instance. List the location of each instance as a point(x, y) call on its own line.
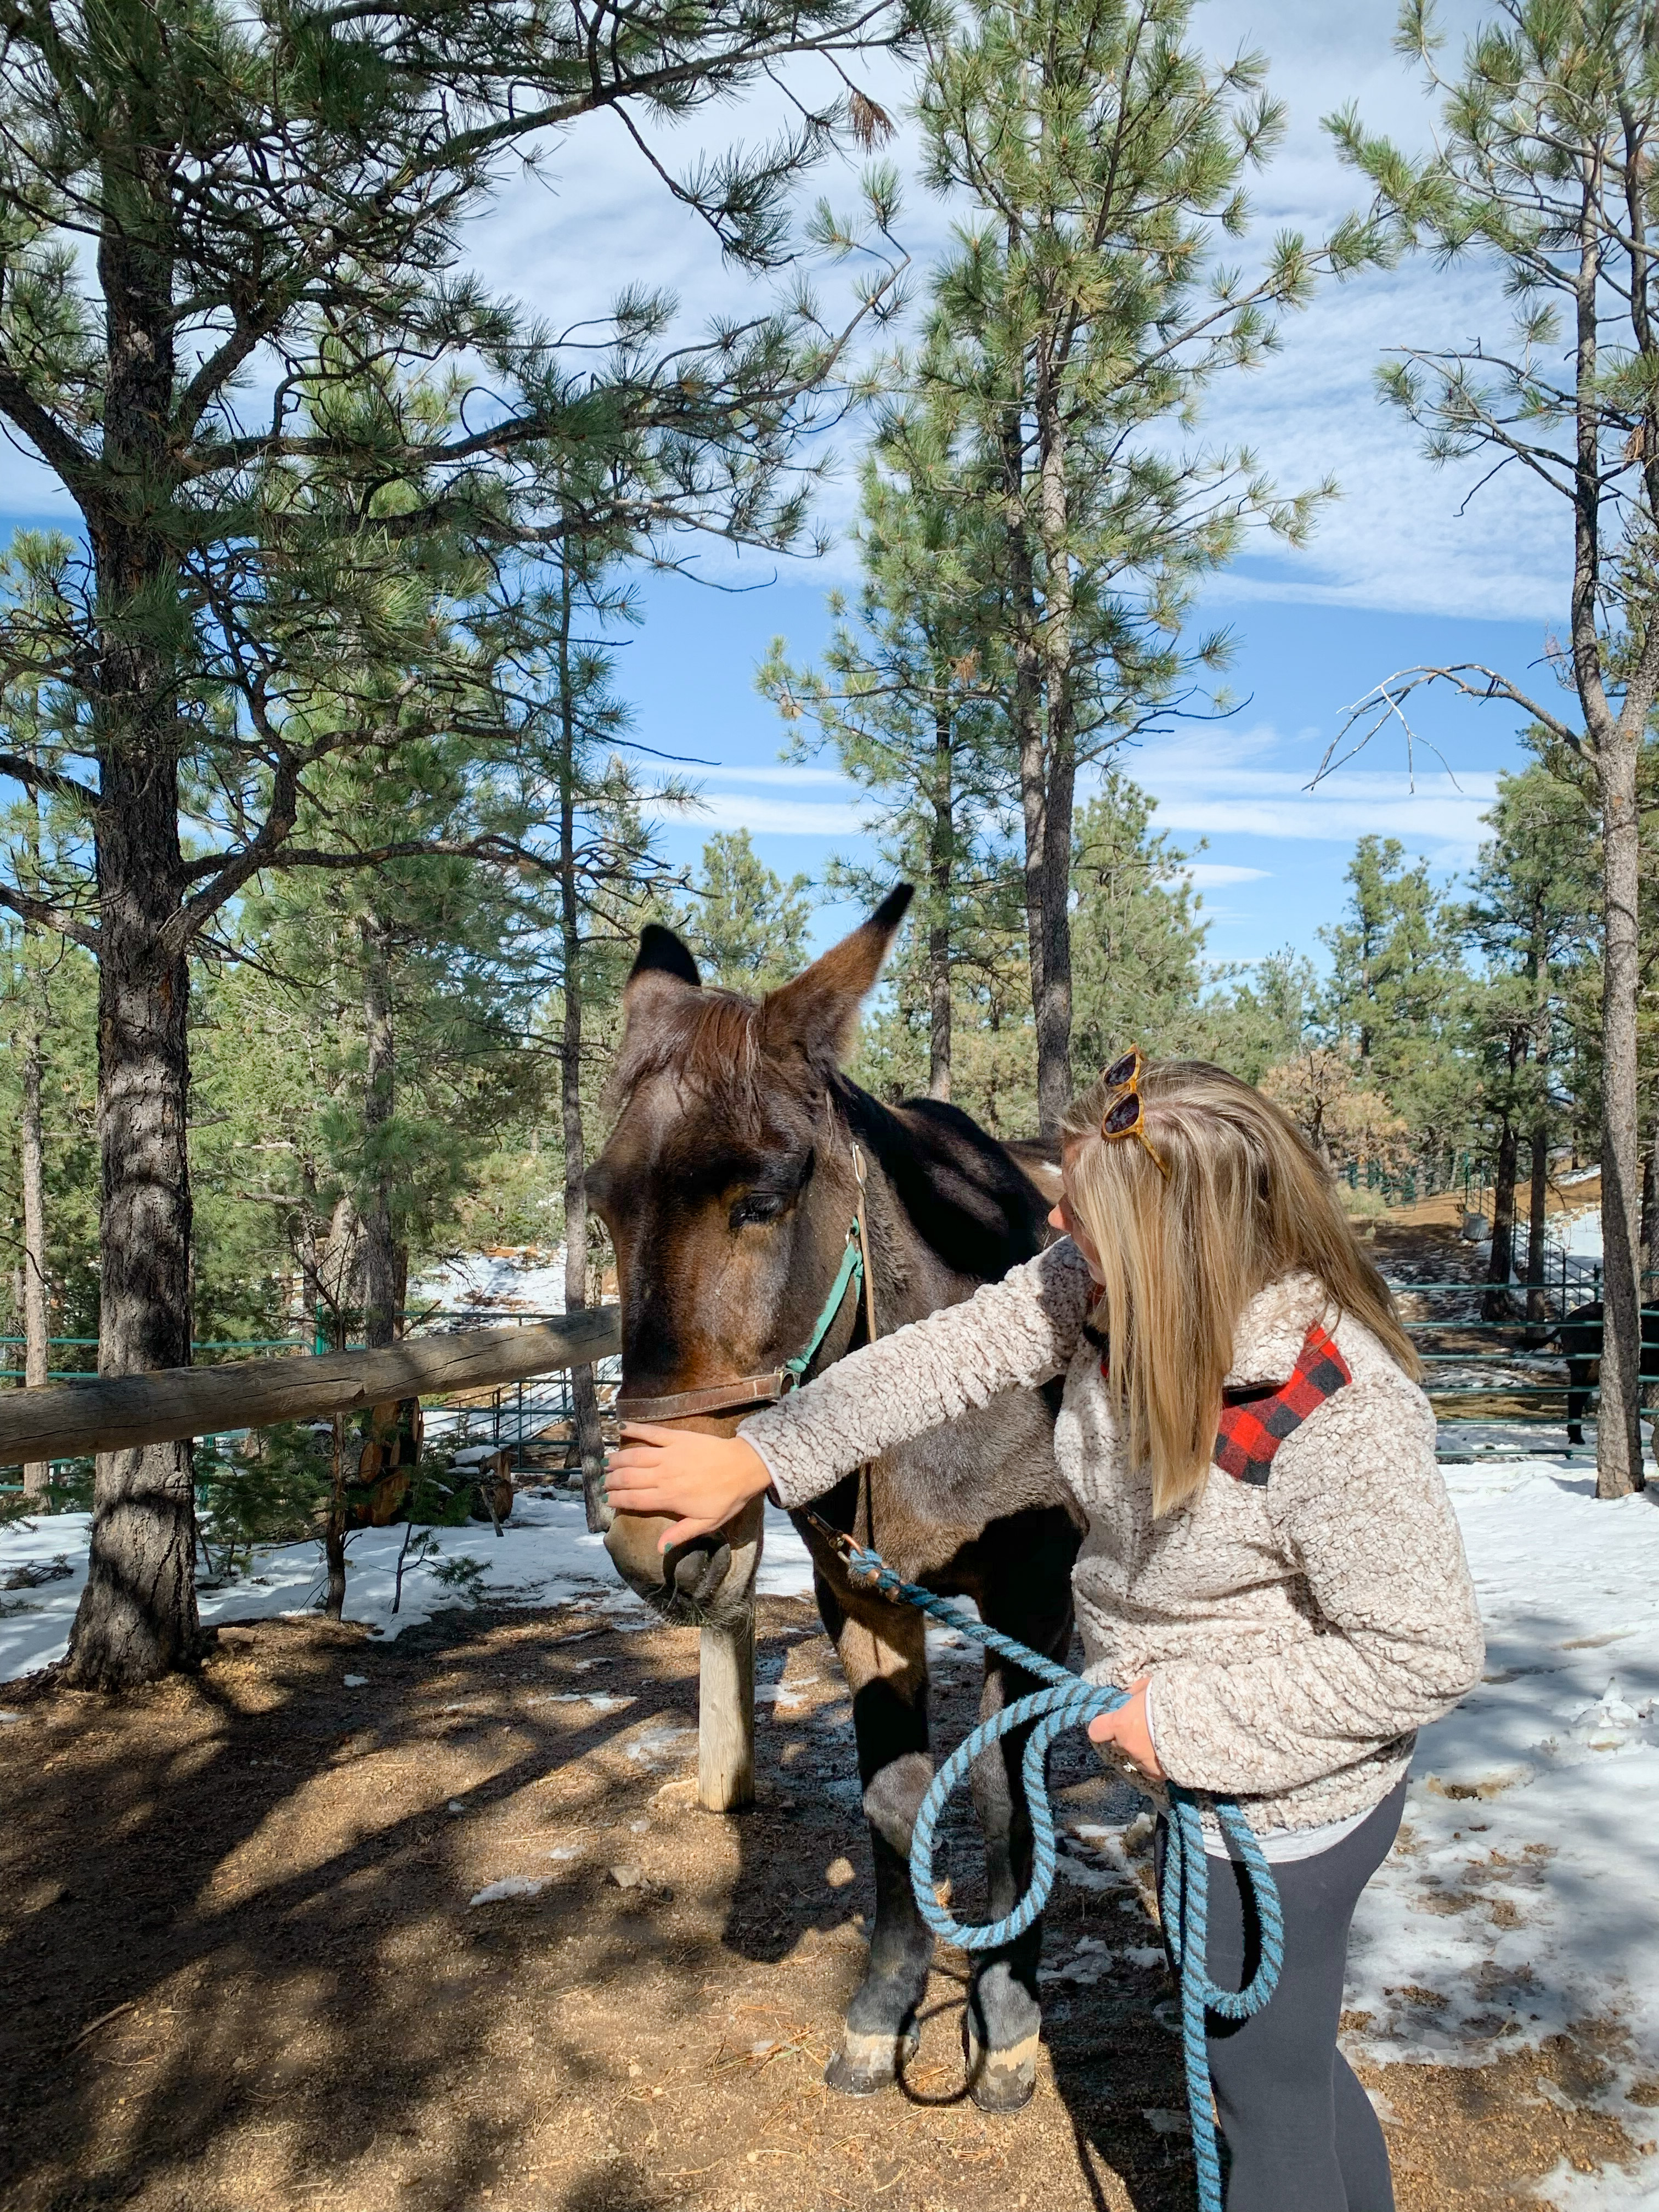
point(709, 1582)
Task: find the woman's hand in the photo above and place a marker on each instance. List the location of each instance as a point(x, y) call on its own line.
point(704, 1481)
point(1126, 1730)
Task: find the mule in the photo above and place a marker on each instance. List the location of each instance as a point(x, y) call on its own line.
point(1579, 1335)
point(729, 1187)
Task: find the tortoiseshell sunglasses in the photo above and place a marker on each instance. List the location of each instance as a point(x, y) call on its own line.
point(1126, 1115)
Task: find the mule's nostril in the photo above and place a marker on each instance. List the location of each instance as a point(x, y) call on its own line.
point(700, 1569)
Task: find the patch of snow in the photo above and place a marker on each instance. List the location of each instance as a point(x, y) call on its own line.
point(663, 1745)
point(1089, 1963)
point(1578, 1235)
point(1609, 2189)
point(1520, 1901)
point(1089, 1877)
point(545, 1555)
point(355, 1681)
point(510, 1885)
point(529, 1280)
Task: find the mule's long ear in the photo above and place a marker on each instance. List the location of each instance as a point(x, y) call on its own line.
point(819, 1010)
point(663, 970)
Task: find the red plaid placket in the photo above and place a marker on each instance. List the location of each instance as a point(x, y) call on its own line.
point(1250, 1434)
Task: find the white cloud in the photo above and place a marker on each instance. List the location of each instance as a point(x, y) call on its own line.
point(785, 772)
point(565, 240)
point(1223, 783)
point(1210, 875)
point(777, 818)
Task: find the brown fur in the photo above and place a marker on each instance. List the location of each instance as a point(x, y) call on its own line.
point(726, 1107)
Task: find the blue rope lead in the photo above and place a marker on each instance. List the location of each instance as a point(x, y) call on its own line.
point(1183, 1897)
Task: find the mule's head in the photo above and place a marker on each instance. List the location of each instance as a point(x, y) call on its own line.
point(727, 1187)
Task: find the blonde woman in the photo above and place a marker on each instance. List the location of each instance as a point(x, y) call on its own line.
point(1271, 1566)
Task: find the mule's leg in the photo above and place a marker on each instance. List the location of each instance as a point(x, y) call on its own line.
point(1577, 1399)
point(1031, 1600)
point(887, 1675)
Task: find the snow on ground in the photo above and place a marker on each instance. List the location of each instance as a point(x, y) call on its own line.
point(1579, 1234)
point(1524, 1900)
point(544, 1556)
point(529, 1281)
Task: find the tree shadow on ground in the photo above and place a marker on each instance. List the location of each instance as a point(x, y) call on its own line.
point(242, 1964)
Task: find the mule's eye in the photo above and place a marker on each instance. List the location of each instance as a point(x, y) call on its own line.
point(757, 1205)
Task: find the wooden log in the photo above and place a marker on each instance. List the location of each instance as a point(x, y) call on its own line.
point(726, 1717)
point(107, 1413)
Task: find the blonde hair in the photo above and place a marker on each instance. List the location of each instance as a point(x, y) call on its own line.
point(1247, 1200)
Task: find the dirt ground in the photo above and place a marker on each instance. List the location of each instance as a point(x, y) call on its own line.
point(241, 1967)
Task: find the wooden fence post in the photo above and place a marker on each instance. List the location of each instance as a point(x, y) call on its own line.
point(726, 1717)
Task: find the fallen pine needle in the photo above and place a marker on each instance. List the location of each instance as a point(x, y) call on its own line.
point(102, 2021)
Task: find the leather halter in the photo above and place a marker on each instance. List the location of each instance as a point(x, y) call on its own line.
point(742, 1391)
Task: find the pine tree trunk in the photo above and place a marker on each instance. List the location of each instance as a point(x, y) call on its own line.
point(584, 1395)
point(37, 1357)
point(941, 861)
point(1501, 1264)
point(1054, 1000)
point(137, 1615)
point(1537, 1298)
point(1613, 747)
point(1618, 1429)
point(1053, 1008)
point(1025, 696)
point(382, 1302)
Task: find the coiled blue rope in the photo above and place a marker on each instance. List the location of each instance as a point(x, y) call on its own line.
point(1183, 1895)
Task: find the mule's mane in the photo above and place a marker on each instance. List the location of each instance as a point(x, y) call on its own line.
point(713, 1043)
point(964, 1194)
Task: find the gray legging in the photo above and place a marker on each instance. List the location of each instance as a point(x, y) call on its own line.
point(1299, 2132)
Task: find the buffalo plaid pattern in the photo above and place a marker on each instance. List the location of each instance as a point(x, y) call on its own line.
point(1250, 1434)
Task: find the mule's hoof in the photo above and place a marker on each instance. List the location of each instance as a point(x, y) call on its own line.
point(1000, 2081)
point(866, 2063)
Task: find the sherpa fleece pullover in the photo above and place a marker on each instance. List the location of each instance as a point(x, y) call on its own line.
point(1296, 1632)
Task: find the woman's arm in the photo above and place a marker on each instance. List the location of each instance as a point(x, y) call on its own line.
point(1361, 1504)
point(1010, 1335)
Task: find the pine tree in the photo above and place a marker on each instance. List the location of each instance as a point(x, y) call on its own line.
point(906, 699)
point(1543, 166)
point(1266, 1014)
point(745, 926)
point(1531, 917)
point(189, 193)
point(577, 809)
point(1080, 319)
point(1138, 933)
point(1396, 992)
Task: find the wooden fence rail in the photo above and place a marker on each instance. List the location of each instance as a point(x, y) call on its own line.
point(105, 1412)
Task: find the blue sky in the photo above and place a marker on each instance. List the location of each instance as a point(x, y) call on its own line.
point(1268, 855)
point(1404, 567)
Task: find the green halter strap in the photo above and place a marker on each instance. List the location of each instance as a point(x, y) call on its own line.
point(850, 1271)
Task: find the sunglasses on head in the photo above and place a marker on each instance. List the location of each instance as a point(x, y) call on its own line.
point(1126, 1115)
